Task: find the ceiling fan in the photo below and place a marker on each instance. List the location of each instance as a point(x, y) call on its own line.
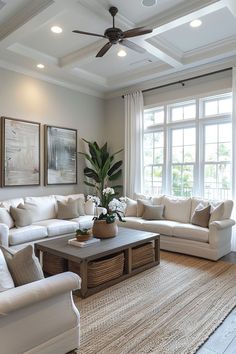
point(116, 35)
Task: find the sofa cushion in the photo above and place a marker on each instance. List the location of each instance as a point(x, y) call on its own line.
point(153, 212)
point(46, 207)
point(177, 209)
point(191, 232)
point(23, 265)
point(163, 227)
point(5, 217)
point(84, 221)
point(6, 281)
point(157, 200)
point(68, 209)
point(26, 234)
point(64, 198)
point(56, 227)
point(11, 202)
point(21, 215)
point(201, 216)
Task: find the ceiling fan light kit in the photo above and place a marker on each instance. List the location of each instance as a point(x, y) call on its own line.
point(116, 36)
point(149, 3)
point(122, 53)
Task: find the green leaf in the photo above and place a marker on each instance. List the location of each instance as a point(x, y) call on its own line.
point(117, 186)
point(90, 184)
point(91, 174)
point(114, 168)
point(117, 152)
point(115, 176)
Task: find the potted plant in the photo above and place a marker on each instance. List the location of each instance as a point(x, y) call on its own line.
point(105, 225)
point(102, 170)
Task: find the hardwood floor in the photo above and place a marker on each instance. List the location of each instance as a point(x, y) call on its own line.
point(223, 340)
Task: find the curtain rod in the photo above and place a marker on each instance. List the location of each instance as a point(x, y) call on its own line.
point(182, 82)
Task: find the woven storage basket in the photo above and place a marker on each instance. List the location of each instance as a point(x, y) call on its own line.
point(53, 264)
point(101, 271)
point(142, 255)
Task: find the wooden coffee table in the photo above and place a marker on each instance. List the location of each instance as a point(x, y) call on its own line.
point(125, 242)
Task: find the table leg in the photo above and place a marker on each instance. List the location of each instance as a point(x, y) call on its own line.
point(84, 278)
point(157, 249)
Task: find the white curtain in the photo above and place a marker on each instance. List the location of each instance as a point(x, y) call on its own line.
point(133, 143)
point(234, 156)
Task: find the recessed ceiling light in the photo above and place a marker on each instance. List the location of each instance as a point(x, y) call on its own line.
point(40, 66)
point(149, 3)
point(121, 53)
point(56, 29)
point(195, 23)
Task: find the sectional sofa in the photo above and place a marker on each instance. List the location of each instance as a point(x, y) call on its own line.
point(177, 232)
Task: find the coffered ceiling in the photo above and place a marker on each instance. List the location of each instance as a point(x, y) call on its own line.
point(69, 59)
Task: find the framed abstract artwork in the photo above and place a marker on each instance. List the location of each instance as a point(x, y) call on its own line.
point(60, 155)
point(20, 152)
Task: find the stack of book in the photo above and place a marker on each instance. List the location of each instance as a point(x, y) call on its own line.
point(76, 243)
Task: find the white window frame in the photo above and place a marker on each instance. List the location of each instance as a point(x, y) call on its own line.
point(199, 123)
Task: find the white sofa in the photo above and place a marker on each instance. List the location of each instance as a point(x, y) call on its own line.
point(45, 224)
point(40, 317)
point(177, 232)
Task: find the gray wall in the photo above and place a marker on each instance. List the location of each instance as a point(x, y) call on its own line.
point(26, 98)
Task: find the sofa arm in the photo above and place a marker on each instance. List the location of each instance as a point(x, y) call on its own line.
point(25, 295)
point(4, 235)
point(223, 224)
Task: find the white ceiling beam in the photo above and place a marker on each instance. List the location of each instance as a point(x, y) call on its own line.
point(82, 55)
point(33, 54)
point(23, 16)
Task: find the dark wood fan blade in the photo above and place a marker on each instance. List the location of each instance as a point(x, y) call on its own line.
point(132, 46)
point(104, 50)
point(89, 34)
point(134, 32)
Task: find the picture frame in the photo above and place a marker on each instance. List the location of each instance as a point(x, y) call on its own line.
point(60, 150)
point(20, 158)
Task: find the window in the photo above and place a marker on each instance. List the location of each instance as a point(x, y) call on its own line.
point(183, 161)
point(187, 148)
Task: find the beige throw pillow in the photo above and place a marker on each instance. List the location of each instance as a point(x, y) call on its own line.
point(22, 215)
point(67, 210)
point(201, 216)
point(24, 266)
point(153, 212)
point(6, 281)
point(131, 207)
point(140, 206)
point(5, 218)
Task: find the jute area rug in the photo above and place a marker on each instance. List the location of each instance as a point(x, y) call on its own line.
point(172, 308)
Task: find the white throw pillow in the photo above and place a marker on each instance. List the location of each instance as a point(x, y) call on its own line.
point(217, 212)
point(5, 218)
point(46, 207)
point(6, 281)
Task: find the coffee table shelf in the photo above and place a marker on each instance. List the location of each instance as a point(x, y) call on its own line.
point(79, 259)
